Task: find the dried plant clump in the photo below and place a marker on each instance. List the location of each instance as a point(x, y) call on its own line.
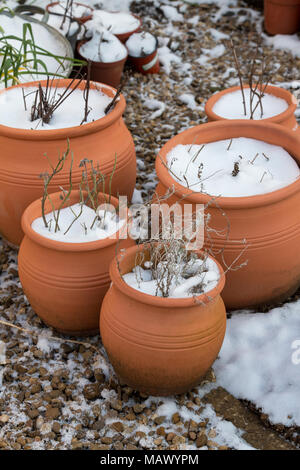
point(169, 260)
point(258, 77)
point(47, 100)
point(93, 181)
point(21, 56)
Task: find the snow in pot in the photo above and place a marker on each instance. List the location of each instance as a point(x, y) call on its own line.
point(232, 168)
point(115, 22)
point(13, 112)
point(183, 278)
point(230, 106)
point(78, 224)
point(103, 47)
point(141, 44)
point(76, 10)
point(66, 26)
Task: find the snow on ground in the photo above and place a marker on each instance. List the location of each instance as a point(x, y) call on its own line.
point(158, 107)
point(260, 361)
point(286, 43)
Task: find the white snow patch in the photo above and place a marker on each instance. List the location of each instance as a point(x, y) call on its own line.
point(189, 100)
point(285, 42)
point(103, 46)
point(13, 113)
point(208, 168)
point(167, 57)
point(137, 197)
point(230, 106)
point(213, 53)
point(43, 344)
point(203, 277)
point(77, 224)
point(116, 22)
point(260, 361)
point(2, 353)
point(141, 44)
point(171, 13)
point(156, 105)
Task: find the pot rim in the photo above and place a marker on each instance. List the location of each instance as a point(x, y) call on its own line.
point(284, 3)
point(103, 65)
point(51, 4)
point(28, 217)
point(161, 301)
point(66, 132)
point(288, 97)
point(144, 56)
point(128, 32)
point(243, 202)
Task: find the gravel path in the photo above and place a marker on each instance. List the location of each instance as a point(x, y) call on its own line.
point(55, 394)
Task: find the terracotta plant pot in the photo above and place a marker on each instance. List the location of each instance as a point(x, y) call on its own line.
point(287, 118)
point(65, 282)
point(160, 346)
point(22, 160)
point(146, 64)
point(282, 16)
point(82, 19)
point(124, 36)
point(270, 223)
point(105, 72)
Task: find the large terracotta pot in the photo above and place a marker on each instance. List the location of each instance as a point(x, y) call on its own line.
point(22, 160)
point(286, 119)
point(270, 223)
point(160, 346)
point(282, 16)
point(105, 72)
point(65, 282)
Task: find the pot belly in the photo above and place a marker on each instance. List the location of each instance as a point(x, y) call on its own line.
point(161, 352)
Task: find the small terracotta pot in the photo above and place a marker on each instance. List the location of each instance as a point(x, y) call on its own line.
point(160, 346)
point(286, 119)
point(105, 72)
point(82, 19)
point(270, 223)
point(65, 282)
point(22, 159)
point(282, 16)
point(146, 64)
point(124, 36)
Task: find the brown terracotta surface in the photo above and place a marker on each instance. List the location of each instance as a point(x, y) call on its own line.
point(65, 282)
point(287, 118)
point(270, 223)
point(147, 64)
point(160, 346)
point(22, 160)
point(282, 16)
point(105, 72)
